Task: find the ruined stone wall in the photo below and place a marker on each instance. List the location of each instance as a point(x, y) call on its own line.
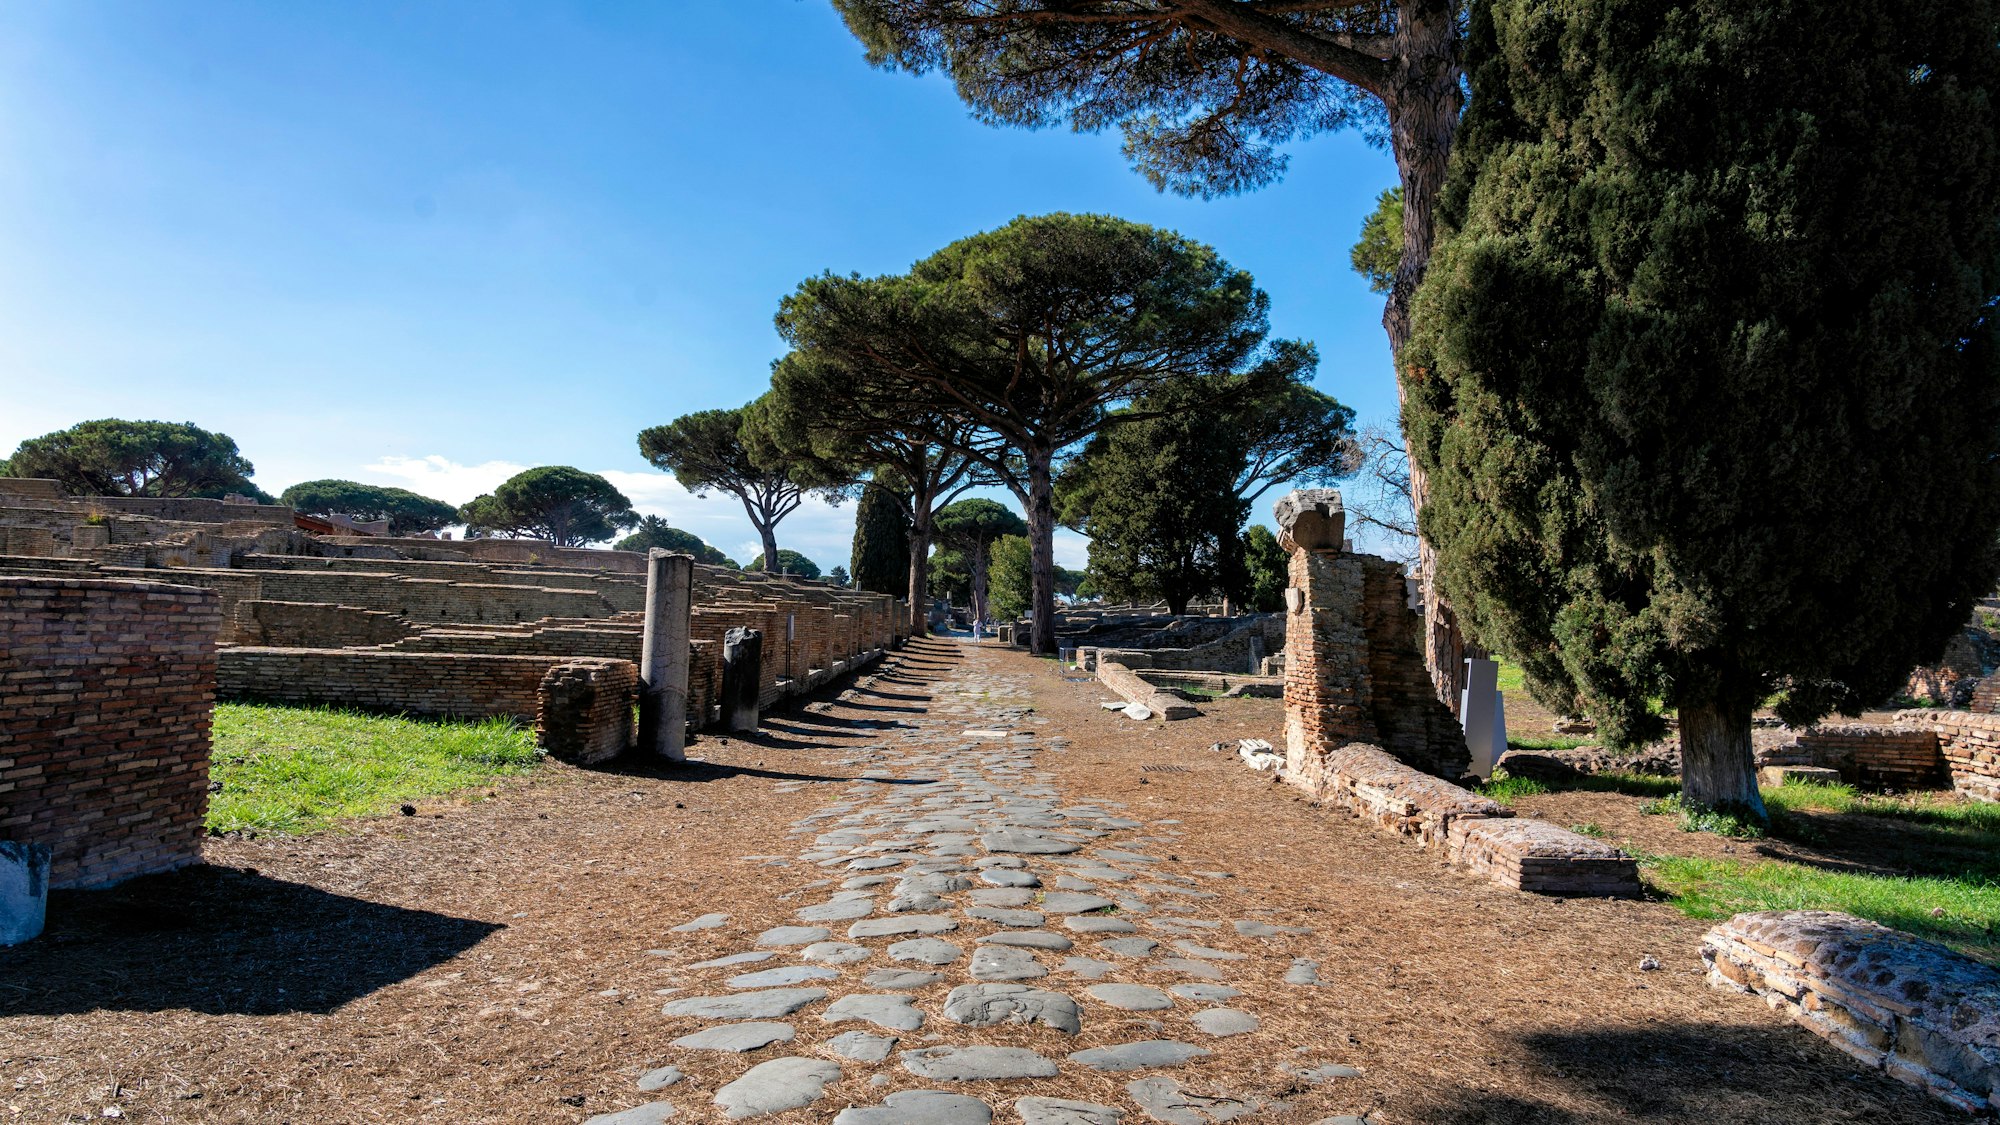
point(444, 684)
point(584, 712)
point(315, 625)
point(1969, 744)
point(618, 642)
point(418, 599)
point(1914, 1010)
point(107, 692)
point(1353, 672)
point(624, 593)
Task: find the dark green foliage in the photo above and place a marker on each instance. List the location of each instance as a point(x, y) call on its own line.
point(971, 527)
point(1380, 250)
point(1268, 567)
point(789, 562)
point(881, 556)
point(1202, 113)
point(1010, 579)
point(114, 457)
point(839, 576)
point(407, 512)
point(1156, 497)
point(951, 576)
point(1031, 333)
point(566, 506)
point(1705, 375)
point(652, 531)
point(739, 452)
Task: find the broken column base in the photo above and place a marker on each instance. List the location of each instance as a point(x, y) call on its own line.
point(1474, 832)
point(1132, 689)
point(24, 891)
point(1910, 1008)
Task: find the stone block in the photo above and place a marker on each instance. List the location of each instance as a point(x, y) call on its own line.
point(1538, 857)
point(1311, 519)
point(1921, 1013)
point(1778, 775)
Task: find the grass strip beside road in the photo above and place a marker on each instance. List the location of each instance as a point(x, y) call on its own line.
point(291, 770)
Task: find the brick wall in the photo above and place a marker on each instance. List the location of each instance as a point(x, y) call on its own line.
point(106, 699)
point(1969, 743)
point(315, 625)
point(417, 683)
point(1353, 672)
point(584, 713)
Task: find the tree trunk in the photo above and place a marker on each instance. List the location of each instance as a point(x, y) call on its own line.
point(1424, 101)
point(920, 581)
point(1718, 770)
point(770, 537)
point(982, 556)
point(1042, 551)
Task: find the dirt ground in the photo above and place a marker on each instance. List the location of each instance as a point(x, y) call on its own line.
point(486, 960)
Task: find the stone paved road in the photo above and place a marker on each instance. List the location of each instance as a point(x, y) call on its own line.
point(967, 921)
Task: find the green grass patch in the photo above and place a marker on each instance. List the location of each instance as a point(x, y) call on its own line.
point(1512, 678)
point(1588, 828)
point(1547, 741)
point(289, 770)
point(1959, 912)
point(1694, 818)
point(1939, 810)
point(1506, 788)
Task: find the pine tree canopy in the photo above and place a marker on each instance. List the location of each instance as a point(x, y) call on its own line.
point(1705, 372)
point(407, 512)
point(566, 506)
point(116, 457)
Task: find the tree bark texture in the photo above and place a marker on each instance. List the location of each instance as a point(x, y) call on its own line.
point(1718, 767)
point(1424, 100)
point(982, 557)
point(920, 581)
point(1042, 551)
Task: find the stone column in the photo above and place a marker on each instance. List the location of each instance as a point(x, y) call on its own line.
point(742, 678)
point(663, 660)
point(1479, 710)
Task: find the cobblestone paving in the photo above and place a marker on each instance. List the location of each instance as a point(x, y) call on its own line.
point(961, 891)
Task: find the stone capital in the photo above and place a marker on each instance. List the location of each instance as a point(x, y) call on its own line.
point(1311, 519)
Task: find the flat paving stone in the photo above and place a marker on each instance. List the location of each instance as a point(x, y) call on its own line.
point(1001, 916)
point(1164, 1100)
point(1001, 963)
point(1206, 993)
point(1072, 902)
point(788, 974)
point(1004, 877)
point(793, 935)
point(1003, 896)
point(737, 1037)
point(928, 951)
point(897, 1013)
point(861, 1046)
point(1265, 929)
point(1027, 843)
point(841, 910)
point(1029, 939)
point(901, 979)
point(975, 1064)
point(1131, 946)
point(902, 924)
point(659, 1079)
point(1326, 1073)
point(985, 1005)
point(750, 958)
point(652, 1113)
point(776, 1086)
point(1225, 1021)
point(1142, 1055)
point(1302, 972)
point(1063, 1111)
point(835, 952)
point(765, 1005)
point(1098, 924)
point(919, 1107)
point(1131, 997)
point(912, 902)
point(705, 922)
point(1089, 968)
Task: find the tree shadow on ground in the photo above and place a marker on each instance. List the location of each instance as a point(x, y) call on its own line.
point(698, 771)
point(1683, 1072)
point(222, 941)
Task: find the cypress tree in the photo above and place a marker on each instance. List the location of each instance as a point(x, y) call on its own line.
point(881, 557)
point(1704, 373)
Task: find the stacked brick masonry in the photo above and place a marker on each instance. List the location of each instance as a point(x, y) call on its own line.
point(315, 625)
point(106, 700)
point(1969, 743)
point(1920, 1012)
point(446, 684)
point(584, 710)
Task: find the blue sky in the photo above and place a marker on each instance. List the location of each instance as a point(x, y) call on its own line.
point(432, 244)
